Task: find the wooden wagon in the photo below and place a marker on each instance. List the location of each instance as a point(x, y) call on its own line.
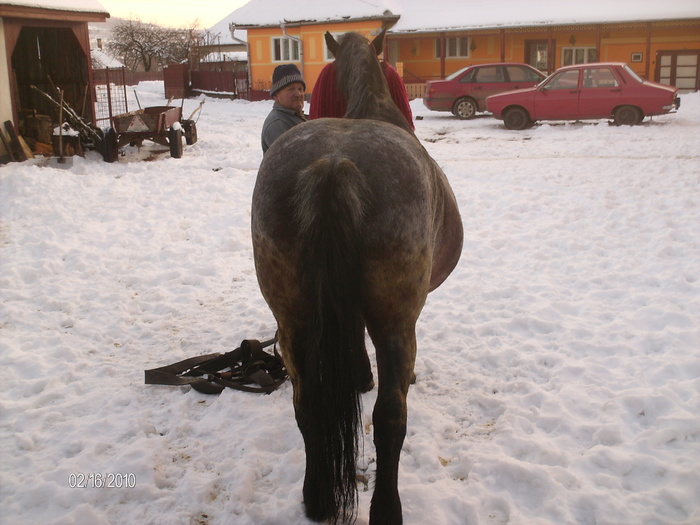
point(160, 124)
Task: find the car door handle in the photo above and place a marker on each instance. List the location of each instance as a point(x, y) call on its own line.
point(615, 90)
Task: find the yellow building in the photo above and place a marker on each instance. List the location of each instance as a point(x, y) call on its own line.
point(301, 43)
point(661, 41)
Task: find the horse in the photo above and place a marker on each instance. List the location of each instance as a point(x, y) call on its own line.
point(353, 224)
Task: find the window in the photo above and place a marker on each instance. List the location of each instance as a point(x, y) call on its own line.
point(564, 80)
point(455, 47)
point(522, 74)
point(488, 74)
point(577, 55)
point(536, 54)
point(599, 77)
point(285, 50)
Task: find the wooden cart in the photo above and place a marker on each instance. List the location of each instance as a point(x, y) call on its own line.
point(160, 124)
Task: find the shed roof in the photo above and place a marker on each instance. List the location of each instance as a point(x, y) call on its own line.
point(82, 6)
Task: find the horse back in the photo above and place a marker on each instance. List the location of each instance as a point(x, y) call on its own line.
point(407, 206)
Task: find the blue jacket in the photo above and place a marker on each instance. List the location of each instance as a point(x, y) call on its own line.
point(277, 122)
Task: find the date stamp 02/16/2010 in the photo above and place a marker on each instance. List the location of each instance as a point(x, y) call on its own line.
point(99, 480)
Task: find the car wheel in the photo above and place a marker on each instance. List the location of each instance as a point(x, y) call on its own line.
point(516, 118)
point(464, 109)
point(627, 116)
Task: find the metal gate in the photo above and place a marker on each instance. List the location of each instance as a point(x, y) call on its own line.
point(110, 94)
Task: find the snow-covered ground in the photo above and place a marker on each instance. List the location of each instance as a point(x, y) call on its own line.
point(558, 367)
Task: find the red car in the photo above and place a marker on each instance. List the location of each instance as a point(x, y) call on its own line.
point(464, 92)
point(586, 91)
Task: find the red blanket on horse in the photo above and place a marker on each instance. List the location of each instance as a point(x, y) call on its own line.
point(327, 100)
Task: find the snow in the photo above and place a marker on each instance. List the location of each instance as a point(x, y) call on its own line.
point(101, 60)
point(88, 6)
point(417, 15)
point(221, 33)
point(224, 56)
point(557, 371)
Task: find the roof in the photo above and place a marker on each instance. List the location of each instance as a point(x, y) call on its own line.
point(225, 56)
point(221, 29)
point(265, 13)
point(82, 6)
point(445, 15)
point(102, 60)
point(491, 14)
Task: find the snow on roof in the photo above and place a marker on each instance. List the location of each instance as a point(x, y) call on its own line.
point(221, 29)
point(103, 60)
point(84, 6)
point(419, 15)
point(226, 56)
point(274, 12)
point(452, 14)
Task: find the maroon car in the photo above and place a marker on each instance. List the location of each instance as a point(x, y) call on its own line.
point(464, 92)
point(586, 91)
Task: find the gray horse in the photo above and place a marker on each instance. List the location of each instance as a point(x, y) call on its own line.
point(353, 223)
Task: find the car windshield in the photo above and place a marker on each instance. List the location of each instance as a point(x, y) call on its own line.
point(457, 73)
point(633, 74)
point(546, 79)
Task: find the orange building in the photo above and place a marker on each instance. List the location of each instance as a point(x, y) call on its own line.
point(299, 43)
point(660, 41)
point(664, 51)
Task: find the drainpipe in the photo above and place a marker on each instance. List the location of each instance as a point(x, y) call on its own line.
point(232, 29)
point(283, 26)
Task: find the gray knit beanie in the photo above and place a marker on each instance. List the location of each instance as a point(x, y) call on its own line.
point(285, 75)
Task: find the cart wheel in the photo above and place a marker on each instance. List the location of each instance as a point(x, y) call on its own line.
point(175, 141)
point(110, 146)
point(190, 132)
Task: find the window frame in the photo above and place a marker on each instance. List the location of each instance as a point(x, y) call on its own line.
point(457, 47)
point(590, 54)
point(284, 45)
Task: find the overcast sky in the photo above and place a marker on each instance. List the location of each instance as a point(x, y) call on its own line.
point(173, 13)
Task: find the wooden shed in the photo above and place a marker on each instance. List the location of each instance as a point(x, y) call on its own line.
point(45, 42)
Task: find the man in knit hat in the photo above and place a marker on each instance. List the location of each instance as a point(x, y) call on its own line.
point(287, 91)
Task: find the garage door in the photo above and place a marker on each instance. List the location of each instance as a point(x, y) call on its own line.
point(679, 68)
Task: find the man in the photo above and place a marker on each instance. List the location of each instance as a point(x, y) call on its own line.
point(287, 91)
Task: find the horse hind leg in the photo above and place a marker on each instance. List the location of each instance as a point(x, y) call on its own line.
point(395, 360)
point(364, 372)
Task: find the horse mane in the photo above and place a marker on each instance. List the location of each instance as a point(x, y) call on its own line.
point(360, 77)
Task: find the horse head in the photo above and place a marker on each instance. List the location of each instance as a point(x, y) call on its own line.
point(362, 79)
point(377, 43)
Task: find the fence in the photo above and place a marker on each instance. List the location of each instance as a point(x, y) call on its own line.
point(415, 90)
point(110, 93)
point(231, 83)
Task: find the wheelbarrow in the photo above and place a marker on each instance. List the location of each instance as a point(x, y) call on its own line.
point(160, 124)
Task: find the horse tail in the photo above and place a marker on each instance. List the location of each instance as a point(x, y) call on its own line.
point(330, 208)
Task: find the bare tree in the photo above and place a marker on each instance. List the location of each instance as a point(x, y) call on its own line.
point(150, 46)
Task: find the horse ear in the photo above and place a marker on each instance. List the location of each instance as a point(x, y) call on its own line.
point(331, 43)
point(378, 42)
